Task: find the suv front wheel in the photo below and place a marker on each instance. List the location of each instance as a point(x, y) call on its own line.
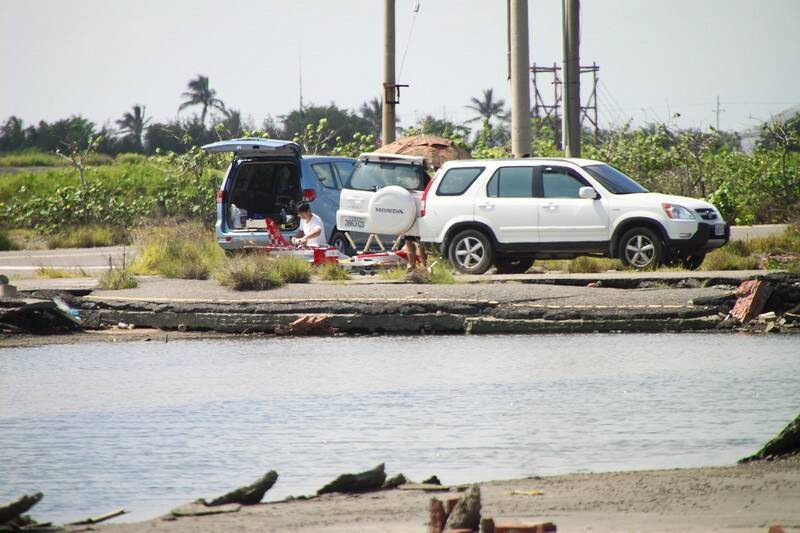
point(471, 252)
point(641, 248)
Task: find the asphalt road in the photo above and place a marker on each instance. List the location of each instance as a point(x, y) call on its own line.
point(25, 263)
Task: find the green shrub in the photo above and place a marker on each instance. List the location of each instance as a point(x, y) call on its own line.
point(393, 274)
point(441, 273)
point(130, 159)
point(293, 269)
point(331, 272)
point(118, 278)
point(89, 237)
point(588, 265)
point(187, 252)
point(785, 242)
point(5, 241)
point(255, 271)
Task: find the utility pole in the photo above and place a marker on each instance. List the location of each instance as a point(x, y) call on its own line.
point(572, 79)
point(388, 118)
point(520, 84)
point(717, 111)
point(300, 73)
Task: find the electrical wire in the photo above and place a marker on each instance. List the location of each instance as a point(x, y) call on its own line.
point(415, 11)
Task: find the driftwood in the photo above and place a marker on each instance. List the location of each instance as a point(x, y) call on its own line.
point(394, 482)
point(467, 512)
point(437, 516)
point(97, 519)
point(353, 483)
point(200, 509)
point(785, 443)
point(249, 495)
point(13, 509)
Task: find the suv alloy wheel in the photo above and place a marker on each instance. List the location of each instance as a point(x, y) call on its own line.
point(641, 248)
point(471, 252)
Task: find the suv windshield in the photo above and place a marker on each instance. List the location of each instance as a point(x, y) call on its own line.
point(371, 176)
point(612, 179)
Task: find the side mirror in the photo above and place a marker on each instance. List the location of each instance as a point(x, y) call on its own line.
point(587, 193)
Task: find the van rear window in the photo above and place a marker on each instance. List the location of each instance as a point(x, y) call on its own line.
point(456, 181)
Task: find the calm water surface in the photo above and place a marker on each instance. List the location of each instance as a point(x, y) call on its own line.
point(147, 426)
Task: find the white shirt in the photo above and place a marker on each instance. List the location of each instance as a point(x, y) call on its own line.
point(314, 224)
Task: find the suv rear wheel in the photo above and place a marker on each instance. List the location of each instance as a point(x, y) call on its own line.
point(471, 252)
point(641, 248)
point(693, 262)
point(510, 265)
point(340, 242)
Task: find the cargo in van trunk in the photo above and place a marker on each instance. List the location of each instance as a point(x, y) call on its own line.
point(264, 189)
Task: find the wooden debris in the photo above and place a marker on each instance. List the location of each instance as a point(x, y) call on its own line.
point(752, 296)
point(248, 495)
point(15, 508)
point(425, 487)
point(97, 519)
point(309, 324)
point(544, 527)
point(354, 483)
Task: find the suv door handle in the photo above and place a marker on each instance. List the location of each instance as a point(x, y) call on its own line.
point(551, 205)
point(487, 206)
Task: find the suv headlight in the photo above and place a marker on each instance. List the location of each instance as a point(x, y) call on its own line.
point(678, 212)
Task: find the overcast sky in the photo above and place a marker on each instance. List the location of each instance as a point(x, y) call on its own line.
point(657, 58)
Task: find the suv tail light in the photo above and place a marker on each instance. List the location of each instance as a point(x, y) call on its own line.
point(423, 206)
point(309, 195)
point(220, 197)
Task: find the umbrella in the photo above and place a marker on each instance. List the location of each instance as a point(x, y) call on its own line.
point(435, 150)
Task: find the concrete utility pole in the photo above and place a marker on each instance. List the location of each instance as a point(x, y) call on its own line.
point(520, 80)
point(572, 79)
point(388, 118)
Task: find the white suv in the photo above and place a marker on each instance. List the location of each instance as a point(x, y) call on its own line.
point(506, 213)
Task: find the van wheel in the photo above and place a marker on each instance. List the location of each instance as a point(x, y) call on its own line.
point(693, 262)
point(340, 242)
point(471, 252)
point(511, 265)
point(641, 248)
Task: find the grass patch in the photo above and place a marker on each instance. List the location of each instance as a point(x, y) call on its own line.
point(89, 236)
point(331, 272)
point(293, 269)
point(397, 273)
point(186, 252)
point(441, 273)
point(786, 242)
point(56, 273)
point(729, 259)
point(6, 243)
point(118, 278)
point(255, 271)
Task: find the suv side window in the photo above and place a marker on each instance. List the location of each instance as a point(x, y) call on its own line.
point(345, 169)
point(324, 172)
point(511, 182)
point(456, 181)
point(561, 183)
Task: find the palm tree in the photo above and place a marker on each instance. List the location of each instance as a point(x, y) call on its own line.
point(200, 93)
point(372, 111)
point(133, 125)
point(487, 107)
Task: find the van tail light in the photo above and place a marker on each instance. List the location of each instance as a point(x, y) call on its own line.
point(309, 195)
point(220, 197)
point(423, 207)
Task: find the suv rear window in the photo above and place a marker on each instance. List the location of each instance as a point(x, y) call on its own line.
point(511, 182)
point(371, 176)
point(457, 180)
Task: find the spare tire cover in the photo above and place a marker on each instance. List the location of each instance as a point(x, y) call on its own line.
point(392, 211)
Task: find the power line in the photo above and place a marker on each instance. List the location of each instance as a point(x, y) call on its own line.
point(415, 11)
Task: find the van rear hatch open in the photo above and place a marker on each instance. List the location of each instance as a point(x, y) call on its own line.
point(264, 181)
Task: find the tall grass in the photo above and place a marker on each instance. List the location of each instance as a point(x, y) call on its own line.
point(729, 259)
point(331, 272)
point(293, 269)
point(118, 278)
point(255, 271)
point(37, 158)
point(55, 273)
point(187, 251)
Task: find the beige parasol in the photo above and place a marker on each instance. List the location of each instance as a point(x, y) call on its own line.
point(435, 150)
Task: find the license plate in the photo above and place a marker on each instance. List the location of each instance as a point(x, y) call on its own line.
point(719, 230)
point(354, 223)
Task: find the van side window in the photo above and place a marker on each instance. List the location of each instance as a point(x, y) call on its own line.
point(511, 182)
point(456, 181)
point(345, 169)
point(324, 172)
point(560, 183)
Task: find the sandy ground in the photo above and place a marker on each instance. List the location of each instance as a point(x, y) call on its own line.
point(736, 498)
